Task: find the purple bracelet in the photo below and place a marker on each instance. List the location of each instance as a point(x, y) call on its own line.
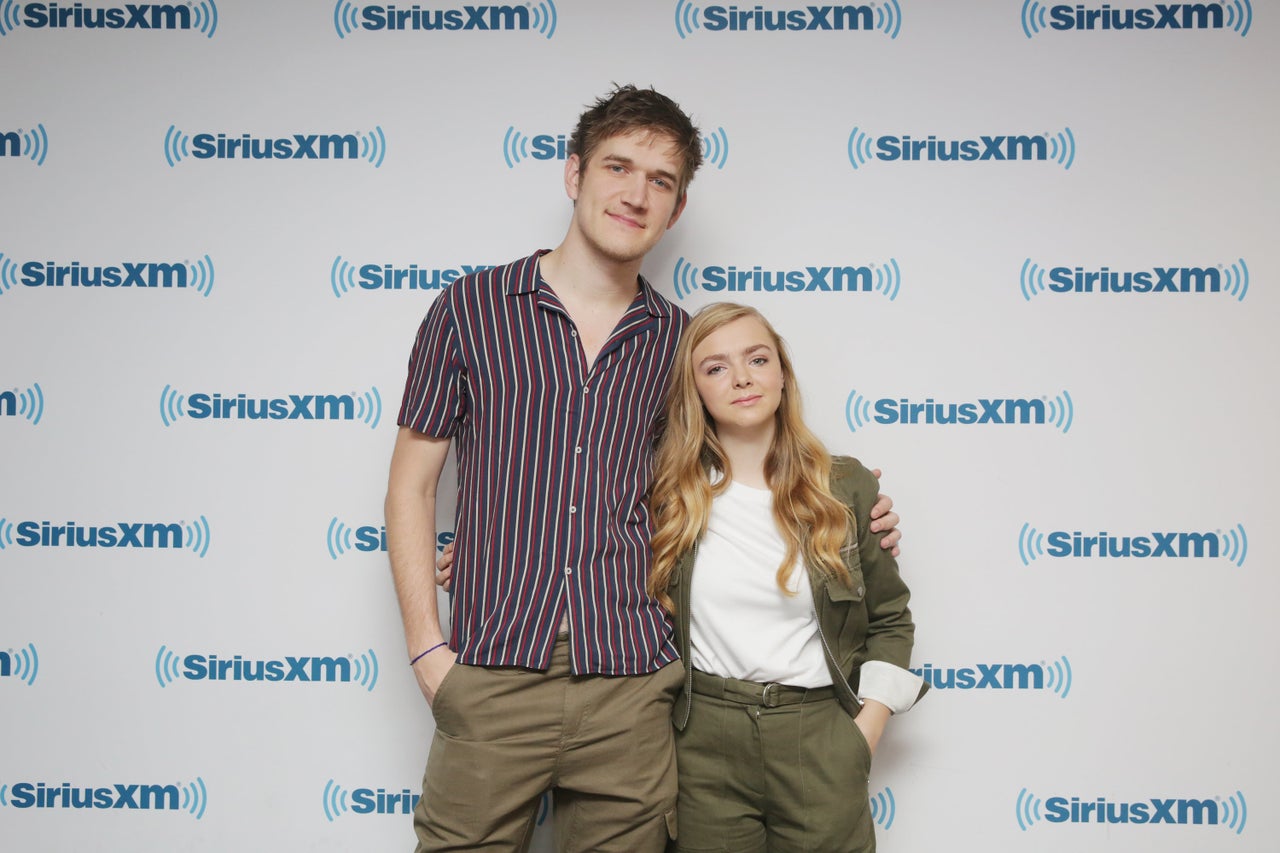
point(427, 652)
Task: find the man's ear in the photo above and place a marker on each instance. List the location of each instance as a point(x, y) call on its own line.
point(572, 176)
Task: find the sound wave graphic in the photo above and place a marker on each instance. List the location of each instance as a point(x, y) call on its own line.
point(373, 146)
point(26, 664)
point(1236, 280)
point(8, 274)
point(545, 17)
point(1058, 676)
point(35, 144)
point(342, 277)
point(198, 536)
point(1234, 544)
point(1235, 812)
point(1240, 16)
point(688, 18)
point(1032, 279)
point(365, 671)
point(1034, 17)
point(884, 808)
point(195, 798)
point(205, 17)
point(167, 668)
point(171, 406)
point(515, 147)
point(338, 539)
point(1030, 544)
point(346, 18)
point(31, 403)
point(1062, 148)
point(889, 18)
point(6, 534)
point(369, 407)
point(684, 278)
point(888, 279)
point(861, 148)
point(334, 800)
point(1062, 412)
point(176, 146)
point(1027, 809)
point(200, 276)
point(10, 16)
point(857, 411)
point(715, 148)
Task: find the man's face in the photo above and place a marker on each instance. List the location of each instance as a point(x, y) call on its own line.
point(625, 198)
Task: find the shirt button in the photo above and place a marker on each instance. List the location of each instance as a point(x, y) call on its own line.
point(577, 450)
point(573, 333)
point(586, 390)
point(861, 591)
point(572, 510)
point(568, 570)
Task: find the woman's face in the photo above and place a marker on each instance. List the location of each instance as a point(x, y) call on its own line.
point(738, 375)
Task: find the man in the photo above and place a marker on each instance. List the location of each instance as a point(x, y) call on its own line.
point(550, 372)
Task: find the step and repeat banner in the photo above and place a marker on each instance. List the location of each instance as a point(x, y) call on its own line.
point(1025, 255)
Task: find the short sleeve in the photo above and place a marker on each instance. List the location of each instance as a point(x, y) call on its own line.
point(434, 400)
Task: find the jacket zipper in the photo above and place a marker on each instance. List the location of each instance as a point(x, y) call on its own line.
point(686, 596)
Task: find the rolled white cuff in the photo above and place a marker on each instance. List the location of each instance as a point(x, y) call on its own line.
point(890, 685)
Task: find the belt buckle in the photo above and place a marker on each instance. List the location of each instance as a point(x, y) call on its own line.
point(770, 695)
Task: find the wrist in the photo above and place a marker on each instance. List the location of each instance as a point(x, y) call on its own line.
point(440, 645)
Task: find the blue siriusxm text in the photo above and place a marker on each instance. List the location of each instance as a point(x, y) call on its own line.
point(46, 534)
point(1161, 16)
point(142, 275)
point(1061, 543)
point(983, 411)
point(299, 146)
point(39, 795)
point(1151, 811)
point(412, 277)
point(1157, 280)
point(984, 676)
point(307, 407)
point(733, 279)
point(369, 801)
point(931, 148)
point(758, 18)
point(391, 17)
point(237, 668)
point(132, 16)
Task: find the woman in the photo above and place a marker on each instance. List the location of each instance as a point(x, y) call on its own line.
point(792, 622)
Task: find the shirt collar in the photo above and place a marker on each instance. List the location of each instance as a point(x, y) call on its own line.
point(529, 280)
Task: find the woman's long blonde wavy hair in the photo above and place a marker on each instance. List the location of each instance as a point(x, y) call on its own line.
point(797, 468)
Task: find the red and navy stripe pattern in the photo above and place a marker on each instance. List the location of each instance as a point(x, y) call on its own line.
point(553, 464)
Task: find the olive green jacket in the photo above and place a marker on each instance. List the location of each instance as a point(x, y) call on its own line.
point(868, 619)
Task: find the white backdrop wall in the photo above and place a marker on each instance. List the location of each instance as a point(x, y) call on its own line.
point(1073, 690)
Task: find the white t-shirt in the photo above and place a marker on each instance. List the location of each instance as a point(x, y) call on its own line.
point(742, 624)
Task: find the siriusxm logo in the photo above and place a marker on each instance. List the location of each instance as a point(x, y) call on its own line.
point(345, 277)
point(518, 147)
point(1054, 676)
point(200, 16)
point(22, 664)
point(885, 279)
point(349, 669)
point(1236, 15)
point(132, 275)
point(32, 144)
point(884, 808)
point(193, 536)
point(190, 797)
point(365, 407)
point(1233, 544)
point(1233, 280)
point(1231, 812)
point(343, 539)
point(538, 17)
point(1058, 412)
point(1059, 148)
point(885, 17)
point(26, 403)
point(371, 146)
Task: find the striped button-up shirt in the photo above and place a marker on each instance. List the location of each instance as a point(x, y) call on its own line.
point(554, 460)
